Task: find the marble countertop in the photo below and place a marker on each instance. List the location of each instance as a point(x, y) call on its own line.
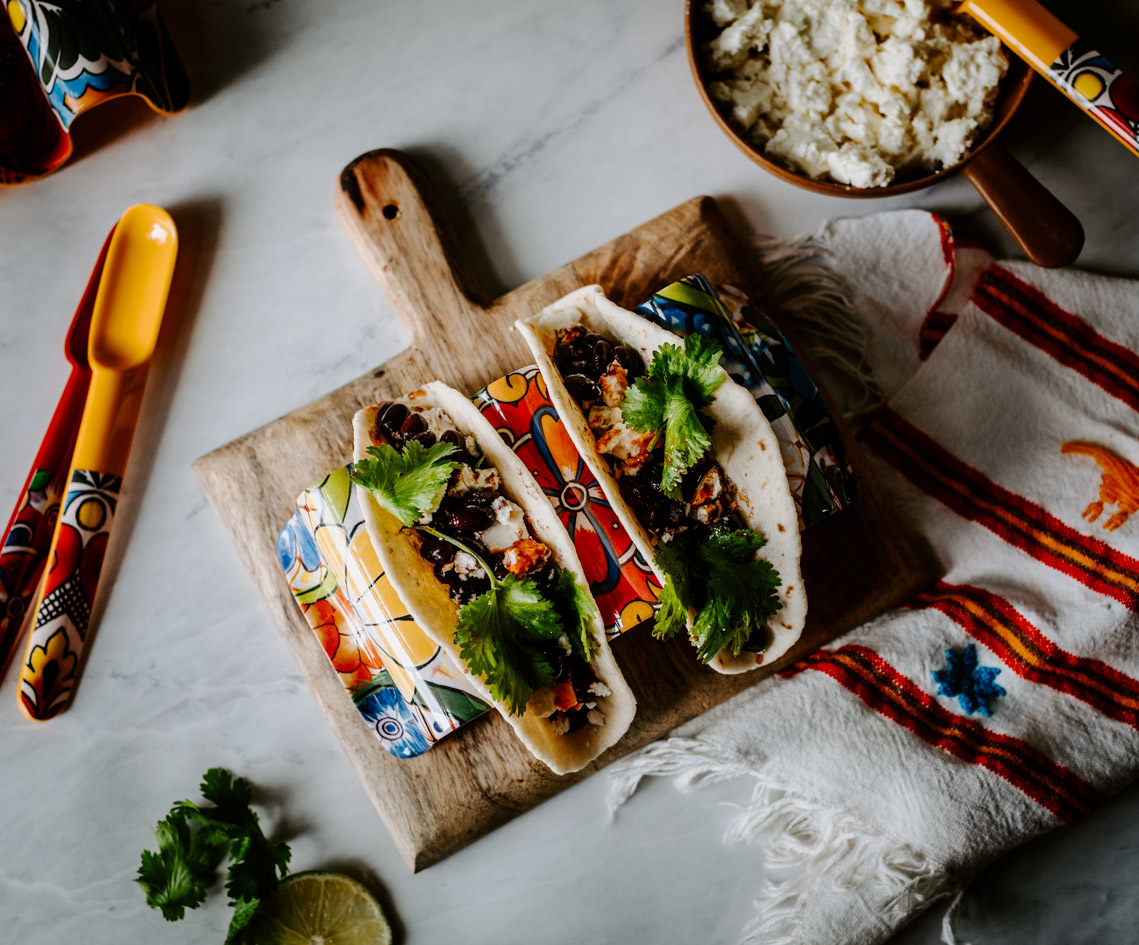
point(553, 127)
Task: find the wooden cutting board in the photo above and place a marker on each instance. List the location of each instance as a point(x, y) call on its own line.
point(855, 565)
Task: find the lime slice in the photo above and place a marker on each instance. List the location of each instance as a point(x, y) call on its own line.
point(318, 908)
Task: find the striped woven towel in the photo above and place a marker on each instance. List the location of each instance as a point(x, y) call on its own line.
point(1004, 700)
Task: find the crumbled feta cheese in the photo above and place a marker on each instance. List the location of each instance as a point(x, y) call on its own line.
point(615, 439)
point(509, 525)
point(853, 90)
point(466, 565)
point(475, 479)
point(626, 444)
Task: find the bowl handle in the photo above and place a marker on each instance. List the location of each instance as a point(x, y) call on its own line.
point(1044, 228)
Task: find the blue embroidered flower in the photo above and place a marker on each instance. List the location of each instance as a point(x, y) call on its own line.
point(395, 723)
point(973, 685)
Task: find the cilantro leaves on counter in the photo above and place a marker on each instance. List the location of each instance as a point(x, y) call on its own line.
point(179, 875)
point(192, 841)
point(407, 483)
point(678, 384)
point(492, 635)
point(718, 576)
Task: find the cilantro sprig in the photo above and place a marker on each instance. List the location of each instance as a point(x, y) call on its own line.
point(668, 398)
point(193, 839)
point(504, 634)
point(718, 576)
point(408, 483)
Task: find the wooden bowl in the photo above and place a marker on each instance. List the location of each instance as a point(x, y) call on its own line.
point(1045, 229)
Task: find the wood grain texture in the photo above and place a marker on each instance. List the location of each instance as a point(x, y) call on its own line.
point(855, 565)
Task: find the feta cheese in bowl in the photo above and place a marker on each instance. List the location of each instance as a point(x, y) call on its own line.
point(1044, 228)
point(858, 92)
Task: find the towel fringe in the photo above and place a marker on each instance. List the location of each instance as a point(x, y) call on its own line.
point(798, 279)
point(815, 848)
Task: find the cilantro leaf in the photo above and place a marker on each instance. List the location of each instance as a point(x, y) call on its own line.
point(193, 839)
point(681, 587)
point(493, 632)
point(672, 617)
point(179, 875)
point(535, 616)
point(718, 576)
point(741, 593)
point(409, 484)
point(243, 910)
point(698, 365)
point(578, 610)
point(678, 383)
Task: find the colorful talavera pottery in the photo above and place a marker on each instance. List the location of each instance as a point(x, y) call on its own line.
point(59, 58)
point(122, 336)
point(758, 357)
point(622, 582)
point(405, 687)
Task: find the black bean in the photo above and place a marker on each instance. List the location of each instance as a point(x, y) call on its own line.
point(663, 516)
point(581, 387)
point(499, 567)
point(584, 366)
point(391, 418)
point(466, 591)
point(636, 492)
point(437, 551)
point(453, 438)
point(427, 438)
point(470, 520)
point(563, 354)
point(412, 425)
point(652, 473)
point(630, 360)
point(481, 498)
point(602, 355)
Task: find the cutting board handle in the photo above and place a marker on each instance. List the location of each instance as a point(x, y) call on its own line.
point(395, 220)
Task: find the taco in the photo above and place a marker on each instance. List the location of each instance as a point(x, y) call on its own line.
point(691, 467)
point(477, 553)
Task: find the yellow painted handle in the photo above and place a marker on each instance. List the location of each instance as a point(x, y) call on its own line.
point(109, 419)
point(1068, 62)
point(1025, 27)
point(125, 321)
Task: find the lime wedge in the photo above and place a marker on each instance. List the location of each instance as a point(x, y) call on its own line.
point(318, 908)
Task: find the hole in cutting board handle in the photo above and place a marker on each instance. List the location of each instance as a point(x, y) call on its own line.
point(391, 211)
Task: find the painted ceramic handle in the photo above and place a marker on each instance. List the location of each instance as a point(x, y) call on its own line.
point(1044, 228)
point(51, 666)
point(1065, 60)
point(1103, 91)
point(25, 543)
point(102, 446)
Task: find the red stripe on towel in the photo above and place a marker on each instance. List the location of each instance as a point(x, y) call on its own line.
point(994, 622)
point(1033, 316)
point(1013, 518)
point(882, 688)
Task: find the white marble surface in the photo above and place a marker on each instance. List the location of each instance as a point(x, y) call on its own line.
point(555, 127)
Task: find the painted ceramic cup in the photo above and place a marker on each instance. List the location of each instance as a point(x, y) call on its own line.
point(59, 58)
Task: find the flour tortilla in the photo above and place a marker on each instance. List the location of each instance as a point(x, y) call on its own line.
point(429, 602)
point(742, 439)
